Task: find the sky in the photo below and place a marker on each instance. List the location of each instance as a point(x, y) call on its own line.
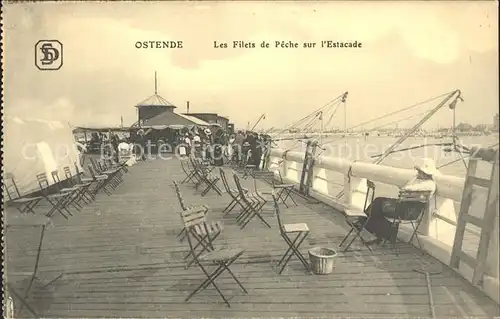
point(412, 51)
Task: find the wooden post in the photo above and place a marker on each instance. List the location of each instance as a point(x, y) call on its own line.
point(302, 185)
point(310, 168)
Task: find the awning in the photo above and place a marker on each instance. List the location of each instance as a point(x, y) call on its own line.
point(100, 129)
point(168, 119)
point(195, 120)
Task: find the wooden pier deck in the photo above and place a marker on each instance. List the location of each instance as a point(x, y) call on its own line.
point(121, 258)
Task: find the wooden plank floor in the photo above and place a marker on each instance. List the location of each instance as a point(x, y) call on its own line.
point(121, 259)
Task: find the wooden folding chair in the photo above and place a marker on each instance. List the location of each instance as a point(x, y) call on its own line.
point(410, 209)
point(252, 203)
point(223, 258)
point(233, 193)
point(73, 197)
point(120, 165)
point(59, 201)
point(357, 219)
point(114, 174)
point(94, 184)
point(184, 207)
point(204, 232)
point(84, 193)
point(111, 180)
point(285, 191)
point(101, 181)
point(206, 177)
point(300, 229)
point(23, 204)
point(189, 171)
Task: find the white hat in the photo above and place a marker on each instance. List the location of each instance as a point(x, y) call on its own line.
point(427, 166)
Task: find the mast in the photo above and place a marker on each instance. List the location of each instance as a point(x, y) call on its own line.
point(156, 85)
point(263, 116)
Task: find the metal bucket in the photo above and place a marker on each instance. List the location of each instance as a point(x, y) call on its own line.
point(322, 260)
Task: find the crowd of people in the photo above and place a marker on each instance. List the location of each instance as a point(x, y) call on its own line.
point(242, 148)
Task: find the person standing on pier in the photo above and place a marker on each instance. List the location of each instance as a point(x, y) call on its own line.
point(258, 151)
point(197, 145)
point(383, 207)
point(238, 146)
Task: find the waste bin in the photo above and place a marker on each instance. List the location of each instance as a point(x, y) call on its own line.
point(322, 260)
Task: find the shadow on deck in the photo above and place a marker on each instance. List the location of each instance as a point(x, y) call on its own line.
point(121, 258)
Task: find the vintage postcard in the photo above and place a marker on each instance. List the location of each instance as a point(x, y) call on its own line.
point(247, 159)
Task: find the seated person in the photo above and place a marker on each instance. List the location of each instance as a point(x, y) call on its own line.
point(383, 207)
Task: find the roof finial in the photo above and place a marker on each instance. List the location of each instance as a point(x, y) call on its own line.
point(156, 85)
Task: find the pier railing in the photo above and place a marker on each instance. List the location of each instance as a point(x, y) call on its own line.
point(341, 183)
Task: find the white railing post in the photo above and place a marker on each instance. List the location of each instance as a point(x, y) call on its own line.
point(440, 222)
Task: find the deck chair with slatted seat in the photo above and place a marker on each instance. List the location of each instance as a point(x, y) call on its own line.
point(233, 193)
point(24, 204)
point(189, 171)
point(184, 207)
point(58, 201)
point(253, 205)
point(284, 190)
point(114, 174)
point(74, 191)
point(210, 180)
point(100, 170)
point(300, 230)
point(81, 179)
point(201, 168)
point(250, 201)
point(122, 165)
point(357, 219)
point(101, 181)
point(410, 208)
point(205, 233)
point(248, 170)
point(223, 258)
point(84, 193)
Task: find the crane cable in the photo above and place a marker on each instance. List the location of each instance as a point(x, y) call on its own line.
point(469, 155)
point(393, 113)
point(312, 114)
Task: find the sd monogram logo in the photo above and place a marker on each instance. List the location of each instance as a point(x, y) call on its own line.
point(48, 55)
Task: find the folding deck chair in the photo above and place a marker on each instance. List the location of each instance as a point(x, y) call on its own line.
point(184, 207)
point(23, 204)
point(412, 206)
point(59, 201)
point(189, 171)
point(205, 234)
point(84, 193)
point(114, 174)
point(353, 215)
point(101, 181)
point(223, 257)
point(283, 190)
point(300, 229)
point(121, 165)
point(94, 184)
point(205, 176)
point(233, 193)
point(253, 205)
point(74, 192)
